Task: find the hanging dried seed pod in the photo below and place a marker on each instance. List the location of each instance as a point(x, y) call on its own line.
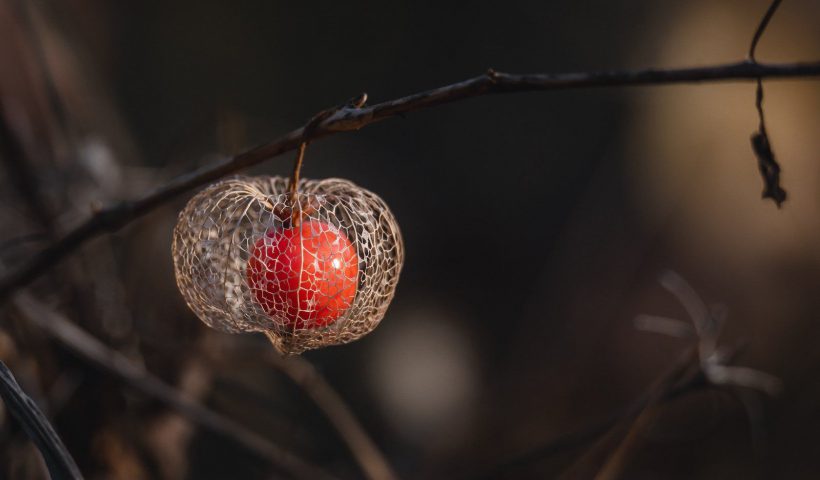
point(310, 268)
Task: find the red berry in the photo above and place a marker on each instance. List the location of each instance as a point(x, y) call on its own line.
point(306, 275)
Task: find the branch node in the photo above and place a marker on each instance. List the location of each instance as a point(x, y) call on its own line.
point(358, 101)
point(96, 207)
point(492, 75)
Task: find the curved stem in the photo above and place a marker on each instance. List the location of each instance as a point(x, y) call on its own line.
point(297, 170)
point(293, 186)
point(761, 27)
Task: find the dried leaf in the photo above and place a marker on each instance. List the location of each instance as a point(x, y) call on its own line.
point(769, 168)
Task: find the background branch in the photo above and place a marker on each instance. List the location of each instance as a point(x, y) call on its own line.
point(60, 464)
point(315, 386)
point(671, 384)
point(353, 118)
point(310, 381)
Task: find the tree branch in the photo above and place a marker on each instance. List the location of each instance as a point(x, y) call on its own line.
point(349, 118)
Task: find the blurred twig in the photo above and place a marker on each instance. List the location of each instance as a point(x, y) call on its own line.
point(10, 244)
point(313, 384)
point(304, 374)
point(21, 173)
point(27, 12)
point(683, 377)
point(350, 118)
point(709, 363)
point(673, 383)
point(60, 464)
point(701, 366)
point(116, 364)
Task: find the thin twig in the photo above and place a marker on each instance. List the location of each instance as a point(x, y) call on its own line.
point(761, 27)
point(761, 145)
point(60, 464)
point(682, 374)
point(307, 132)
point(353, 118)
point(310, 381)
point(28, 14)
point(708, 362)
point(22, 176)
point(293, 186)
point(314, 385)
point(703, 365)
point(297, 171)
point(116, 364)
point(22, 239)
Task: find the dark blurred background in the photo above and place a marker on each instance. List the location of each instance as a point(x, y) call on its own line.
point(535, 224)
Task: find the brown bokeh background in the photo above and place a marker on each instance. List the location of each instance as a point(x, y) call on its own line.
point(536, 226)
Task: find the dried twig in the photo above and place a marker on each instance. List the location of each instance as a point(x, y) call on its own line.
point(663, 389)
point(762, 147)
point(60, 464)
point(22, 176)
point(701, 366)
point(303, 374)
point(313, 384)
point(627, 434)
point(710, 365)
point(351, 118)
point(761, 27)
point(114, 363)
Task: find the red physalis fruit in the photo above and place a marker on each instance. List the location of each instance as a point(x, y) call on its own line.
point(304, 275)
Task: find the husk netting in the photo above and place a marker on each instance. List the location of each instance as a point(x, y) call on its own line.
point(315, 268)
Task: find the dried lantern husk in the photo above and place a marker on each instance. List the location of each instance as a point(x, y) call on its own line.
point(216, 233)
